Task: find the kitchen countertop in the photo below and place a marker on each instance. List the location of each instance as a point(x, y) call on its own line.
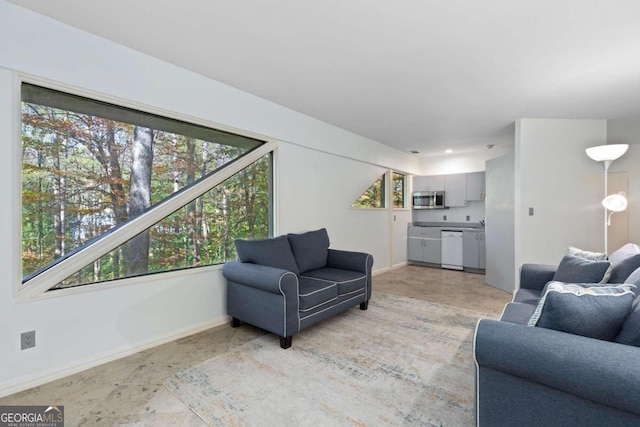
point(445, 224)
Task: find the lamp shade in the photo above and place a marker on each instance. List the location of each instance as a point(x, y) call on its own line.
point(615, 202)
point(607, 152)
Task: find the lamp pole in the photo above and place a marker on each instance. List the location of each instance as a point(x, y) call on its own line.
point(606, 164)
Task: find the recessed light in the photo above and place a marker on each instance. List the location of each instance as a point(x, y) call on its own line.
point(449, 151)
point(414, 152)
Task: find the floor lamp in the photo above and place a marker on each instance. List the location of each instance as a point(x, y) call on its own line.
point(616, 202)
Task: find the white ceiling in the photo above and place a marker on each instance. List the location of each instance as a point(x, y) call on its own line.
point(420, 75)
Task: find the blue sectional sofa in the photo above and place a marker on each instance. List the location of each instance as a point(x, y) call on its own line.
point(288, 283)
point(541, 376)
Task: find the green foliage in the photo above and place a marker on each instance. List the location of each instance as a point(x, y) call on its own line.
point(374, 196)
point(398, 181)
point(75, 186)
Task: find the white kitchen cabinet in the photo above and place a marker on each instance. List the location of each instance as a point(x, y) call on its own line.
point(455, 190)
point(423, 244)
point(475, 186)
point(473, 249)
point(428, 183)
point(420, 183)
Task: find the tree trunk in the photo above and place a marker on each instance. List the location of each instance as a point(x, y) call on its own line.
point(137, 260)
point(192, 221)
point(59, 198)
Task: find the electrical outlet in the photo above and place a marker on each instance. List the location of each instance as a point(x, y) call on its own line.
point(444, 217)
point(530, 211)
point(468, 218)
point(27, 340)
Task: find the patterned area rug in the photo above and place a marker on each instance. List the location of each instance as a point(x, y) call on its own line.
point(401, 362)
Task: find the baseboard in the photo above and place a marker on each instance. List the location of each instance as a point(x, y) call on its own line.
point(22, 384)
point(386, 269)
point(400, 265)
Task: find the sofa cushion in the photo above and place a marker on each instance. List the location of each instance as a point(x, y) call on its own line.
point(630, 330)
point(575, 269)
point(274, 252)
point(595, 312)
point(515, 312)
point(527, 296)
point(347, 281)
point(310, 249)
point(624, 261)
point(591, 256)
point(315, 292)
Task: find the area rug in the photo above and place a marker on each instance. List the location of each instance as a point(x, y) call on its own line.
point(401, 362)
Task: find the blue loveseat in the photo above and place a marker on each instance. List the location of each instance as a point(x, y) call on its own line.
point(288, 283)
point(537, 376)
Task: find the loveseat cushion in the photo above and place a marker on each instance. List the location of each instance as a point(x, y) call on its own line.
point(624, 261)
point(515, 312)
point(310, 249)
point(314, 292)
point(595, 312)
point(630, 331)
point(634, 279)
point(347, 281)
point(575, 269)
point(275, 252)
point(527, 296)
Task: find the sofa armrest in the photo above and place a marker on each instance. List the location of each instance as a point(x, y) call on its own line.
point(347, 260)
point(275, 280)
point(535, 276)
point(599, 371)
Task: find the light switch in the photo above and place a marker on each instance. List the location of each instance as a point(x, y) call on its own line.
point(530, 211)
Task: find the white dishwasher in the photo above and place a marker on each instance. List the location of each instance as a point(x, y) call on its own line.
point(452, 249)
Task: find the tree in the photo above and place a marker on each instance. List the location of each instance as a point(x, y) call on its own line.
point(137, 249)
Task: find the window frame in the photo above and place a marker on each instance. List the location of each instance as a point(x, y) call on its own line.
point(405, 190)
point(38, 286)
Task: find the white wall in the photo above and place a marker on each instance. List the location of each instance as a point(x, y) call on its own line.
point(630, 163)
point(461, 163)
point(76, 332)
point(320, 195)
point(475, 211)
point(554, 176)
point(400, 221)
point(499, 236)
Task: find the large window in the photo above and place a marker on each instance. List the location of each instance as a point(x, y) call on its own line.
point(90, 168)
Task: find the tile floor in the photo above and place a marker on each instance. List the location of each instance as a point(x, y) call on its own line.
point(129, 391)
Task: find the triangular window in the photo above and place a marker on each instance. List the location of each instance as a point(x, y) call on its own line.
point(374, 196)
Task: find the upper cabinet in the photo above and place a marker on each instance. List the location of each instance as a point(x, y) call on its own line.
point(428, 183)
point(459, 188)
point(455, 190)
point(475, 186)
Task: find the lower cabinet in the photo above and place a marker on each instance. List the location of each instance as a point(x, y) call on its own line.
point(473, 249)
point(424, 245)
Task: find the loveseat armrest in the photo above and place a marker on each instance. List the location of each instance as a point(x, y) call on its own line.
point(535, 276)
point(348, 260)
point(595, 370)
point(275, 280)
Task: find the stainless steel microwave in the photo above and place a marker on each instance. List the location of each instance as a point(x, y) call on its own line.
point(428, 200)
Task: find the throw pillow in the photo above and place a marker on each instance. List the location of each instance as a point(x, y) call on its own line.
point(574, 269)
point(591, 256)
point(624, 261)
point(274, 252)
point(310, 249)
point(595, 312)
